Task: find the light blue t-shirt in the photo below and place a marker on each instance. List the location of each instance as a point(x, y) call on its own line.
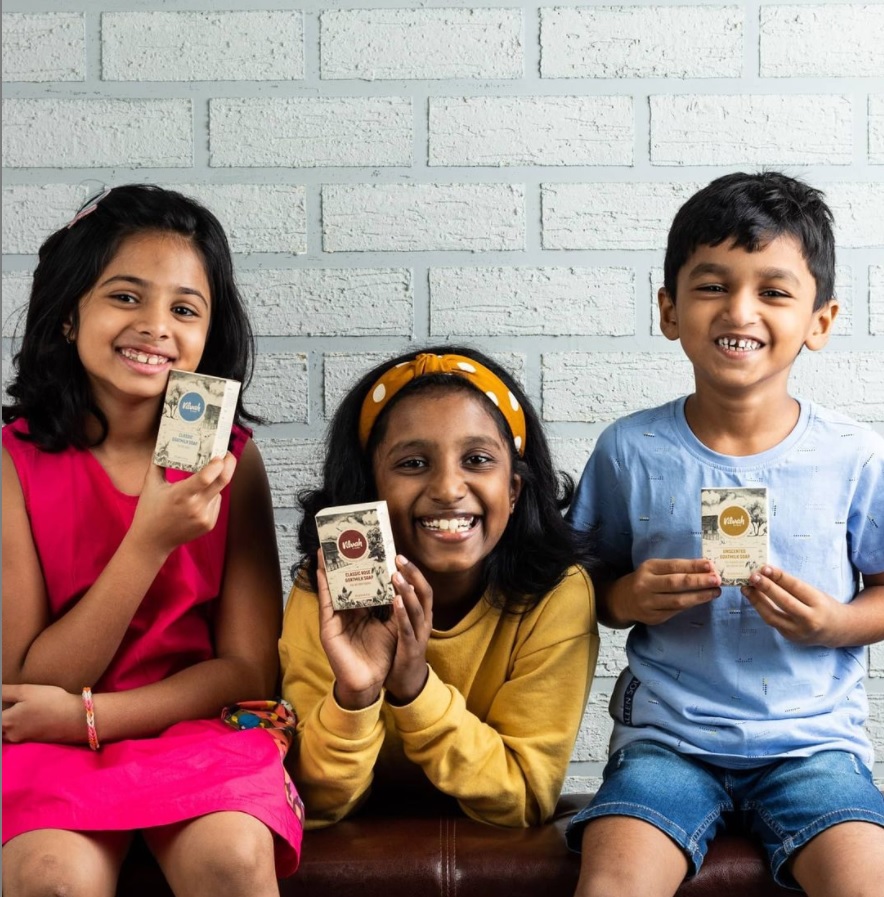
point(716, 680)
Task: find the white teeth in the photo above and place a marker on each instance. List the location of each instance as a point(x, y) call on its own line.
point(741, 345)
point(448, 524)
point(142, 357)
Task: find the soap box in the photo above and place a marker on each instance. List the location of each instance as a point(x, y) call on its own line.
point(359, 555)
point(735, 531)
point(198, 414)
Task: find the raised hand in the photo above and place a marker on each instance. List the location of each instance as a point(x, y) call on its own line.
point(170, 514)
point(359, 647)
point(798, 611)
point(413, 614)
point(659, 589)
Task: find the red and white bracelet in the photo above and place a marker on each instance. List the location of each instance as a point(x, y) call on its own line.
point(90, 718)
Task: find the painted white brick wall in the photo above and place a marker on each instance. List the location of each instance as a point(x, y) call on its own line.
point(226, 46)
point(827, 41)
point(382, 44)
point(360, 218)
point(503, 174)
point(531, 131)
point(754, 130)
point(472, 302)
point(306, 132)
point(876, 300)
point(876, 129)
point(101, 133)
point(329, 301)
point(610, 216)
point(44, 47)
point(642, 42)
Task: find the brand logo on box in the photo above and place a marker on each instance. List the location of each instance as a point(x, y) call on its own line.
point(352, 544)
point(734, 521)
point(191, 406)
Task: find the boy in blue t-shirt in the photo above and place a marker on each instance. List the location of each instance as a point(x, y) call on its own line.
point(739, 701)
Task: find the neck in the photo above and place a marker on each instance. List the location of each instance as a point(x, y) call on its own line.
point(454, 596)
point(742, 425)
point(129, 424)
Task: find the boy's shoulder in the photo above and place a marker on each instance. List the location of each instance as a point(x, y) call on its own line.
point(647, 422)
point(829, 422)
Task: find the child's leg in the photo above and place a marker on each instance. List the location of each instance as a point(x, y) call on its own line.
point(626, 856)
point(821, 819)
point(218, 855)
point(845, 859)
point(650, 823)
point(52, 861)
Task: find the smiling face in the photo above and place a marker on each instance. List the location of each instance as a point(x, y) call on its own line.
point(743, 317)
point(444, 469)
point(147, 313)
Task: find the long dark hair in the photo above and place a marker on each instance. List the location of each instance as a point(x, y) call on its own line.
point(50, 389)
point(537, 546)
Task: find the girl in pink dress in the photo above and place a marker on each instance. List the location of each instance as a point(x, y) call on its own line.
point(137, 602)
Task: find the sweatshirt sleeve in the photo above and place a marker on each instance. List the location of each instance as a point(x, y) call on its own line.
point(508, 769)
point(335, 750)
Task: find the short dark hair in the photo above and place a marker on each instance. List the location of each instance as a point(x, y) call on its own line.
point(537, 546)
point(751, 210)
point(50, 388)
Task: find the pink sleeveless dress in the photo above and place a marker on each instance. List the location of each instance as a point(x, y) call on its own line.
point(78, 519)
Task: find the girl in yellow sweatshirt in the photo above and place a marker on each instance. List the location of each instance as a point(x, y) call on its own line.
point(475, 684)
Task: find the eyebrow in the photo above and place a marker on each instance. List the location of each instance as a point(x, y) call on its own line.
point(140, 282)
point(704, 268)
point(418, 444)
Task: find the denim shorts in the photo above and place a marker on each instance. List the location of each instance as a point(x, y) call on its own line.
point(785, 803)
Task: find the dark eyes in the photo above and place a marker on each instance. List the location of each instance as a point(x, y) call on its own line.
point(182, 311)
point(412, 464)
point(717, 288)
point(473, 460)
point(479, 459)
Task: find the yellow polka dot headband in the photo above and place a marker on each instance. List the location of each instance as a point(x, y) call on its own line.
point(400, 375)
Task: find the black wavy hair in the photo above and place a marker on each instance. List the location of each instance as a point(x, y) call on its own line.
point(537, 546)
point(750, 210)
point(50, 388)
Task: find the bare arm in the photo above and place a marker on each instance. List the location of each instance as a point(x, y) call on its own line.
point(247, 625)
point(78, 647)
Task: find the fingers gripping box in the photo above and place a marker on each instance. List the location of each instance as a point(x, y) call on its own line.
point(198, 414)
point(359, 554)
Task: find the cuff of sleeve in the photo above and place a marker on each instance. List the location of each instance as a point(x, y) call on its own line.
point(352, 725)
point(426, 709)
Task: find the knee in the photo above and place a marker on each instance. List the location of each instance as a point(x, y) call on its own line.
point(45, 874)
point(240, 861)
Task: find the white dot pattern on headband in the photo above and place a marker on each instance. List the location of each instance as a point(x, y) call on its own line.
point(379, 392)
point(466, 367)
point(518, 442)
point(493, 398)
point(513, 402)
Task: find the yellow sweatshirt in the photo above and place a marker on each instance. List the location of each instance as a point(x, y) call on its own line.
point(494, 726)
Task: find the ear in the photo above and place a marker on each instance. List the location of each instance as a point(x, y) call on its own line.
point(821, 325)
point(668, 314)
point(515, 490)
point(68, 331)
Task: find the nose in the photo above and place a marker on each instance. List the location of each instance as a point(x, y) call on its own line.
point(741, 308)
point(153, 321)
point(447, 484)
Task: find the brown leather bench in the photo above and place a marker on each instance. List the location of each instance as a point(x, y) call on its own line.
point(452, 856)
